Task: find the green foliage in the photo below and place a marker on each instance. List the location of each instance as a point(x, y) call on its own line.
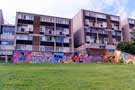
point(127, 46)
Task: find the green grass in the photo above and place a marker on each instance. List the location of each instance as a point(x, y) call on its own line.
point(67, 77)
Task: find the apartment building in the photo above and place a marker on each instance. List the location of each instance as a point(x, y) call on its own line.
point(36, 32)
point(128, 26)
point(95, 32)
point(7, 41)
point(7, 38)
point(1, 18)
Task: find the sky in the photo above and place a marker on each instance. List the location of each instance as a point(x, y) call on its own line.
point(66, 8)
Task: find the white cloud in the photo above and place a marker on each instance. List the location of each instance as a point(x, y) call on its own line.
point(64, 8)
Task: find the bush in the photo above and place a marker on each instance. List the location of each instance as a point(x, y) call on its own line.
point(127, 46)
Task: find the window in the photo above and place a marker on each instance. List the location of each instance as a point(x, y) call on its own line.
point(28, 47)
point(4, 43)
point(30, 28)
point(93, 30)
point(30, 37)
point(66, 21)
point(43, 38)
point(24, 37)
point(66, 49)
point(86, 13)
point(48, 30)
point(59, 31)
point(92, 14)
point(101, 15)
point(131, 21)
point(87, 22)
point(88, 39)
point(29, 17)
point(21, 47)
point(104, 24)
point(118, 33)
point(25, 28)
point(113, 33)
point(7, 30)
point(101, 31)
point(60, 39)
point(87, 29)
point(62, 21)
point(7, 42)
point(115, 26)
point(49, 39)
point(22, 28)
point(66, 40)
point(25, 16)
point(42, 28)
point(115, 18)
point(49, 48)
point(47, 19)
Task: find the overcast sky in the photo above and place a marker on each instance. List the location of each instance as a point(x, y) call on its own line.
point(66, 8)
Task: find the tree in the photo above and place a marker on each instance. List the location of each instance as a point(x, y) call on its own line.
point(127, 46)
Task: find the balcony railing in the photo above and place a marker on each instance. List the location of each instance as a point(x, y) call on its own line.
point(7, 37)
point(6, 52)
point(110, 47)
point(96, 46)
point(7, 47)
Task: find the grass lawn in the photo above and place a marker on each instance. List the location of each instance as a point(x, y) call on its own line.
point(67, 77)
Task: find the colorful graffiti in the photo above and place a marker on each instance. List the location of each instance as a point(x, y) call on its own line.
point(21, 56)
point(119, 57)
point(53, 57)
point(41, 57)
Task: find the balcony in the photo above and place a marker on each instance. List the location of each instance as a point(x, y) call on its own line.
point(102, 32)
point(22, 32)
point(7, 47)
point(131, 21)
point(47, 19)
point(23, 47)
point(6, 52)
point(62, 49)
point(7, 37)
point(46, 48)
point(49, 32)
point(25, 16)
point(24, 28)
point(115, 18)
point(62, 21)
point(93, 24)
point(110, 47)
point(96, 46)
point(47, 39)
point(90, 14)
point(101, 16)
point(24, 37)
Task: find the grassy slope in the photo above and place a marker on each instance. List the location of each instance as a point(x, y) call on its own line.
point(67, 77)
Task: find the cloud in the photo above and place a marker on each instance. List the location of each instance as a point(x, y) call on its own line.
point(64, 8)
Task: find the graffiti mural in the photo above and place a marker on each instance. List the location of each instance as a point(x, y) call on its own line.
point(53, 57)
point(21, 56)
point(41, 57)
